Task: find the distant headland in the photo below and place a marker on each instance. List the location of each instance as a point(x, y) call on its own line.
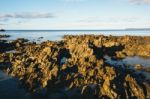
point(2, 30)
point(137, 29)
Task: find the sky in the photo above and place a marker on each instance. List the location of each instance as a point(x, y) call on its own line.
point(74, 14)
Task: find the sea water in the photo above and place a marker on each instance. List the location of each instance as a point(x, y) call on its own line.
point(53, 35)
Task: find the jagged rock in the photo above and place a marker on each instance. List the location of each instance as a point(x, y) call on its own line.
point(120, 54)
point(138, 67)
point(147, 69)
point(40, 66)
point(89, 93)
point(134, 89)
point(106, 89)
point(147, 89)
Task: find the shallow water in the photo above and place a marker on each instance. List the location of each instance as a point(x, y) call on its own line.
point(34, 35)
point(10, 88)
point(145, 62)
point(3, 76)
point(132, 61)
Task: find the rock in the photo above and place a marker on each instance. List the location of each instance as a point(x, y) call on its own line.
point(40, 37)
point(147, 69)
point(147, 89)
point(41, 66)
point(2, 30)
point(106, 90)
point(4, 36)
point(120, 55)
point(135, 89)
point(18, 45)
point(138, 67)
point(87, 93)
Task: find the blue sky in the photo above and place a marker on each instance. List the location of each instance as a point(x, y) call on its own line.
point(74, 14)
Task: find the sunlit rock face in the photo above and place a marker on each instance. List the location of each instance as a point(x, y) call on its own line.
point(75, 67)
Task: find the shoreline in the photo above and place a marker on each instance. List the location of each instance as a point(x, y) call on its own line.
point(58, 35)
point(77, 64)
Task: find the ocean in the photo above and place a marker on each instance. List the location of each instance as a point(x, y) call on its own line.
point(53, 35)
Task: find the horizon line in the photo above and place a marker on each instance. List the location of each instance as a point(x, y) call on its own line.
point(76, 29)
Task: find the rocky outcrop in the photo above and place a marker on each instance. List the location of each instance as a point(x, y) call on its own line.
point(4, 36)
point(75, 68)
point(6, 46)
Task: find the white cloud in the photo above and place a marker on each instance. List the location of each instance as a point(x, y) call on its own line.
point(126, 19)
point(26, 15)
point(140, 1)
point(132, 1)
point(3, 19)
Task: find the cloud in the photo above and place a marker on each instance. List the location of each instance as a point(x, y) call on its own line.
point(140, 1)
point(113, 22)
point(132, 1)
point(127, 19)
point(2, 24)
point(3, 19)
point(26, 15)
